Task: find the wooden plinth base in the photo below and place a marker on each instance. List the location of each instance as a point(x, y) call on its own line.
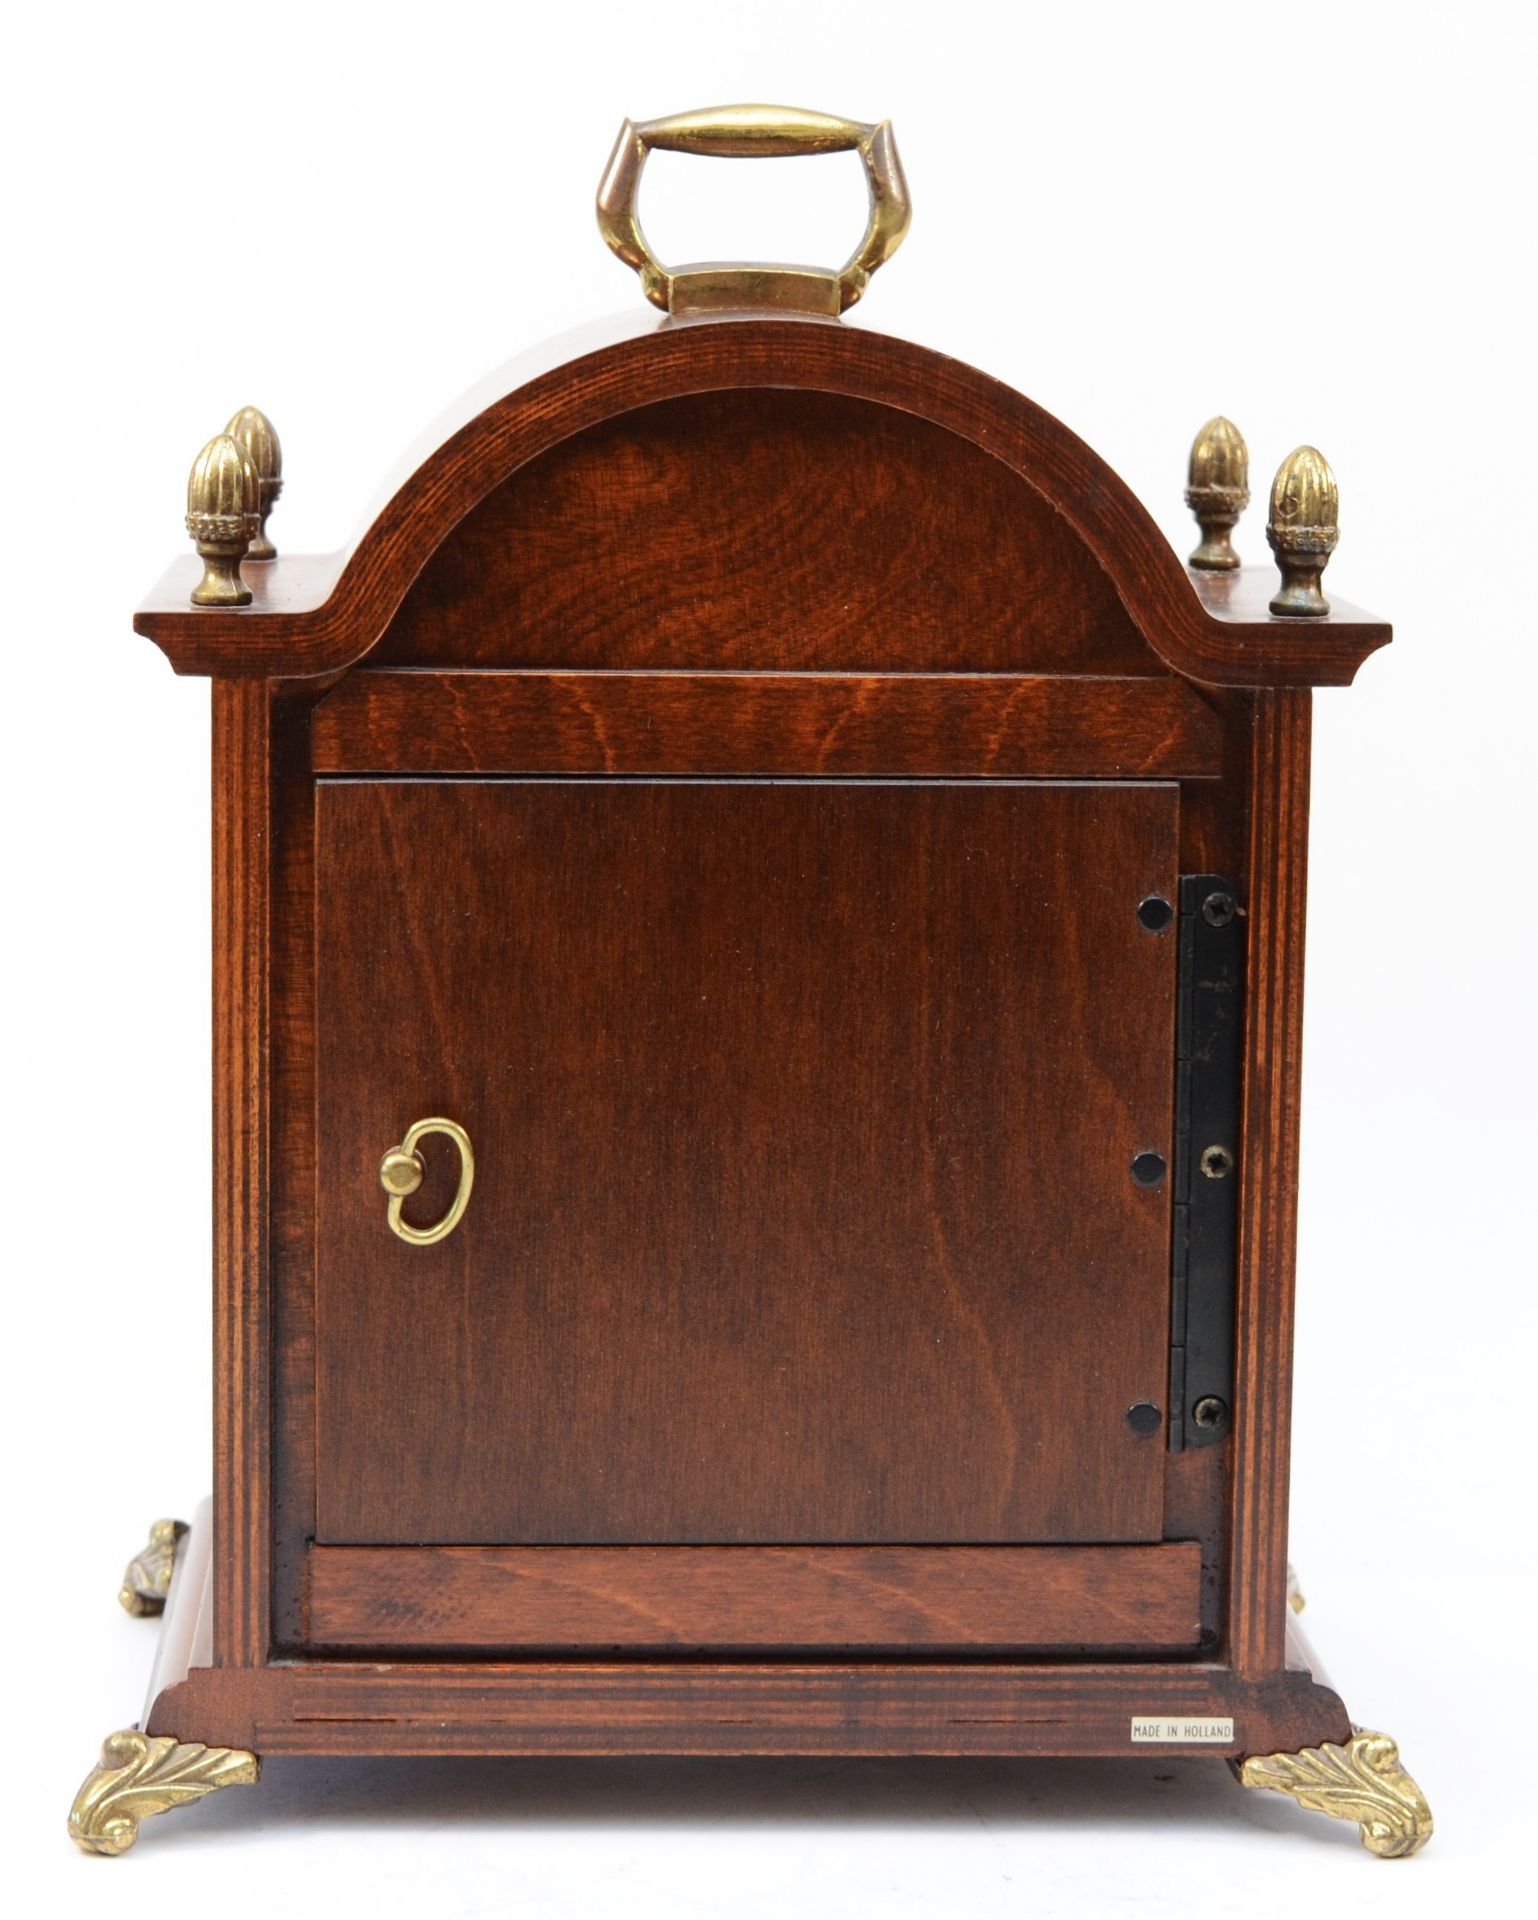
point(1286, 1731)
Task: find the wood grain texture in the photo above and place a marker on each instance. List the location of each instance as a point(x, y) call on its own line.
point(1243, 599)
point(1273, 1057)
point(283, 638)
point(803, 1116)
point(653, 1599)
point(867, 1708)
point(768, 528)
point(242, 905)
point(800, 1082)
point(963, 725)
point(715, 1708)
point(291, 1071)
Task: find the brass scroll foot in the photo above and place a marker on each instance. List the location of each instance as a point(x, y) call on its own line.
point(140, 1774)
point(148, 1577)
point(1361, 1781)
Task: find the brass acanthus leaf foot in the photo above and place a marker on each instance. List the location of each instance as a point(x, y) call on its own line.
point(147, 1580)
point(141, 1774)
point(1361, 1781)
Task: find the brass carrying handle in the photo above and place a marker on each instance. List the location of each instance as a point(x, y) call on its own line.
point(755, 133)
point(401, 1171)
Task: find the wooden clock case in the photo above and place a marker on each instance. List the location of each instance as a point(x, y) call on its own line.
point(776, 789)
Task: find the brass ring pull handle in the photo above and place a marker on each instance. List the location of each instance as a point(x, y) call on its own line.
point(401, 1171)
point(752, 133)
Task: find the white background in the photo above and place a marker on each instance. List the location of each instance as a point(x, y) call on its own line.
point(1318, 220)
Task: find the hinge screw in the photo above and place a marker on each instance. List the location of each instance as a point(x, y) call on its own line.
point(1210, 1411)
point(1219, 908)
point(1216, 1162)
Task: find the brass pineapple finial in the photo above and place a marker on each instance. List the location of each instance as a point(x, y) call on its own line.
point(252, 430)
point(222, 517)
point(1303, 530)
point(1218, 491)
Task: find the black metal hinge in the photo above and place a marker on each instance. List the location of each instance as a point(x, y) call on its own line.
point(1204, 1238)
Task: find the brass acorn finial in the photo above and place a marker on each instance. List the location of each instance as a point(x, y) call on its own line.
point(251, 429)
point(1218, 491)
point(222, 517)
point(1303, 530)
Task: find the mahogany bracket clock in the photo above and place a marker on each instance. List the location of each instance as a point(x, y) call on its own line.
point(758, 966)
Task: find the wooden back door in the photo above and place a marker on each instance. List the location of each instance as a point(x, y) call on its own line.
point(803, 1116)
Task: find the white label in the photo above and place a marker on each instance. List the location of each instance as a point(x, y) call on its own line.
point(1183, 1733)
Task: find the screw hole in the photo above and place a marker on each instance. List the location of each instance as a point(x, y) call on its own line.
point(1155, 913)
point(1148, 1169)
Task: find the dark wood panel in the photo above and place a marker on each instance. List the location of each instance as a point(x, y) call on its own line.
point(242, 907)
point(1196, 1508)
point(980, 725)
point(313, 618)
point(803, 1116)
point(716, 1707)
point(768, 528)
point(653, 1598)
point(291, 1072)
point(871, 1708)
point(1268, 1190)
point(1243, 598)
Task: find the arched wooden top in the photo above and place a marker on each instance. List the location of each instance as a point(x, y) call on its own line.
point(314, 617)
